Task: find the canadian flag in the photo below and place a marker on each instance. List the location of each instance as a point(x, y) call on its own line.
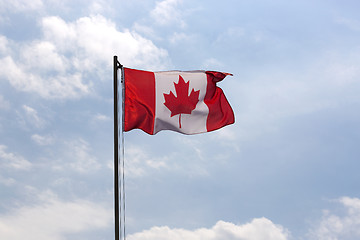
point(187, 102)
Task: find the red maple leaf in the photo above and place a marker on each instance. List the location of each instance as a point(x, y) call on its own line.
point(183, 102)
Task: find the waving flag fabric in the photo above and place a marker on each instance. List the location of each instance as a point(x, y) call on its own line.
point(186, 102)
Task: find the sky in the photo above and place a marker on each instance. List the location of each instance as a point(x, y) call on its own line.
point(287, 169)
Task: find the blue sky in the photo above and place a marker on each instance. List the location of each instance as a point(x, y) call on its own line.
point(287, 168)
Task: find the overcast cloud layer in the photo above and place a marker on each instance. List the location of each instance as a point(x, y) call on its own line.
point(287, 169)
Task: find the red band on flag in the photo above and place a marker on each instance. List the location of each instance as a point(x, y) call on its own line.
point(139, 100)
point(220, 111)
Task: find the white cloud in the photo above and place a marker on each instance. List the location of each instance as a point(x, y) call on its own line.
point(146, 30)
point(97, 40)
point(345, 226)
point(226, 133)
point(3, 103)
point(100, 6)
point(257, 229)
point(241, 34)
point(196, 145)
point(42, 56)
point(7, 181)
point(176, 37)
point(212, 63)
point(33, 117)
point(193, 159)
point(232, 32)
point(42, 140)
point(3, 45)
point(138, 162)
point(57, 31)
point(166, 12)
point(329, 82)
point(101, 117)
point(78, 153)
point(24, 78)
point(53, 219)
point(226, 137)
point(54, 66)
point(12, 160)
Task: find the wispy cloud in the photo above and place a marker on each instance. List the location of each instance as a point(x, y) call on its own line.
point(101, 117)
point(79, 157)
point(13, 161)
point(3, 45)
point(352, 24)
point(166, 12)
point(7, 181)
point(139, 163)
point(344, 225)
point(20, 5)
point(4, 104)
point(42, 140)
point(31, 116)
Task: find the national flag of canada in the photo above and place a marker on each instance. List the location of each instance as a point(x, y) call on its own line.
point(186, 102)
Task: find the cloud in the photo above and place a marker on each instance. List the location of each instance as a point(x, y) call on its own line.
point(33, 117)
point(97, 40)
point(42, 140)
point(257, 229)
point(78, 153)
point(3, 45)
point(24, 78)
point(166, 13)
point(42, 56)
point(58, 65)
point(196, 145)
point(20, 5)
point(3, 103)
point(212, 63)
point(7, 181)
point(345, 226)
point(231, 33)
point(13, 160)
point(101, 117)
point(349, 23)
point(226, 134)
point(328, 82)
point(74, 155)
point(100, 6)
point(53, 219)
point(139, 163)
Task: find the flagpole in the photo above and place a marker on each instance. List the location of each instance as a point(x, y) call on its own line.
point(117, 209)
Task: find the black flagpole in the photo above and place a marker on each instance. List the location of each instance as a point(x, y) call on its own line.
point(117, 65)
point(116, 150)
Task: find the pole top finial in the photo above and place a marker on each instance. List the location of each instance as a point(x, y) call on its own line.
point(118, 64)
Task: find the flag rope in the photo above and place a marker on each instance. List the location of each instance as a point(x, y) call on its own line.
point(122, 158)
